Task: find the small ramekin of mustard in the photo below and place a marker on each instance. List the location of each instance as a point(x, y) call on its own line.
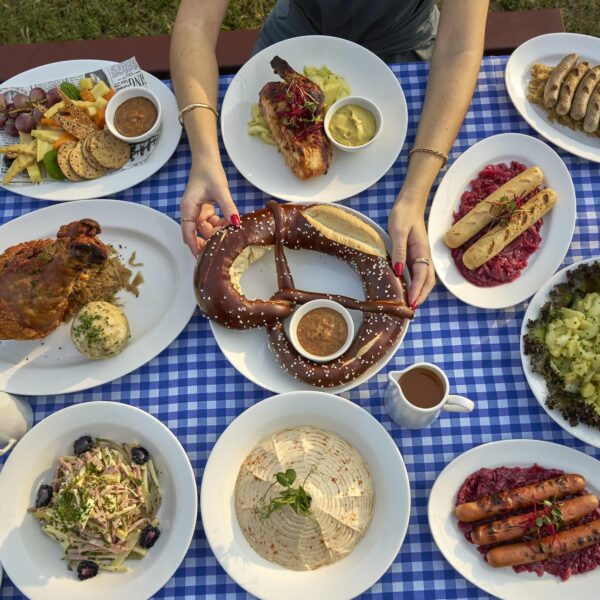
point(321, 330)
point(353, 123)
point(133, 114)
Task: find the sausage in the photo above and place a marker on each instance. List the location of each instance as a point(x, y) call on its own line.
point(519, 498)
point(493, 242)
point(514, 527)
point(583, 94)
point(592, 114)
point(567, 91)
point(549, 546)
point(483, 213)
point(556, 77)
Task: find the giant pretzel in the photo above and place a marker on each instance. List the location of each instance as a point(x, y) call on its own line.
point(323, 228)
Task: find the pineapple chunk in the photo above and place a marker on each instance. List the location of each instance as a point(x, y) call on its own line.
point(99, 90)
point(42, 148)
point(54, 109)
point(91, 111)
point(101, 103)
point(35, 175)
point(47, 136)
point(86, 84)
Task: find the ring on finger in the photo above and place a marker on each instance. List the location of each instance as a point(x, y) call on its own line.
point(187, 220)
point(421, 259)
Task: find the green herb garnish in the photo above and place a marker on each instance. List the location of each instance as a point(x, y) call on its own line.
point(503, 210)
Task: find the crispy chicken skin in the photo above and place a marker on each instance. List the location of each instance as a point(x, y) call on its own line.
point(307, 152)
point(37, 278)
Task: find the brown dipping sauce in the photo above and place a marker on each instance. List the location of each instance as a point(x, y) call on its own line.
point(322, 331)
point(135, 116)
point(422, 387)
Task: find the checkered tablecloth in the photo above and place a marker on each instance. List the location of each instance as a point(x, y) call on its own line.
point(193, 390)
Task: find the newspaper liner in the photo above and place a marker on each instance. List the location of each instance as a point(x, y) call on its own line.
point(117, 76)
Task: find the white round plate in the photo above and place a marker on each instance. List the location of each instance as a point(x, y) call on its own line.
point(164, 307)
point(33, 561)
point(550, 49)
point(350, 173)
point(375, 552)
point(248, 351)
point(556, 232)
point(587, 434)
point(115, 181)
point(464, 557)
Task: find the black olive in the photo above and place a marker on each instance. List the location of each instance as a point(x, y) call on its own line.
point(83, 444)
point(44, 495)
point(87, 569)
point(140, 455)
point(149, 536)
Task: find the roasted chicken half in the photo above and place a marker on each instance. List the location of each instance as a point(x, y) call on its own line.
point(294, 113)
point(37, 277)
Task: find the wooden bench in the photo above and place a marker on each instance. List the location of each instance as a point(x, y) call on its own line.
point(504, 32)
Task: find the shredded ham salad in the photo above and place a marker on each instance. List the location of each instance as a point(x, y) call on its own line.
point(100, 504)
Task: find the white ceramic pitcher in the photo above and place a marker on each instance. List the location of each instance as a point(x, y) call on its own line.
point(16, 419)
point(408, 415)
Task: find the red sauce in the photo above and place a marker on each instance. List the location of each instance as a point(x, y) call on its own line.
point(508, 264)
point(489, 481)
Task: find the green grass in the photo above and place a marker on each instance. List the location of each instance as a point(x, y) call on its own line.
point(23, 21)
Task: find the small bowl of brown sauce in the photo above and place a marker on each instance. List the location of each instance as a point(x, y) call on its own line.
point(321, 330)
point(133, 114)
point(353, 123)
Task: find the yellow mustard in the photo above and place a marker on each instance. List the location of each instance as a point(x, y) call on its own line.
point(352, 125)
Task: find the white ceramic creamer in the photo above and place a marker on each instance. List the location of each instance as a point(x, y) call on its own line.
point(16, 419)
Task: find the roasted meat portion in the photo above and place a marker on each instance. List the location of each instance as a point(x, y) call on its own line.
point(37, 277)
point(294, 113)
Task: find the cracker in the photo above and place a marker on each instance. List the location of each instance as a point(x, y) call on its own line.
point(81, 166)
point(109, 151)
point(63, 161)
point(85, 150)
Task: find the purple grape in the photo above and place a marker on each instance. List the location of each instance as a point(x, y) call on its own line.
point(20, 101)
point(37, 94)
point(24, 123)
point(2, 120)
point(3, 103)
point(53, 96)
point(11, 129)
point(37, 115)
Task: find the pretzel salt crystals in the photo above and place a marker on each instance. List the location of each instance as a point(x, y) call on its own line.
point(322, 228)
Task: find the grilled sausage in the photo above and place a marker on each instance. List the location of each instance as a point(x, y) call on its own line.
point(584, 91)
point(567, 91)
point(493, 242)
point(519, 498)
point(483, 213)
point(515, 527)
point(592, 115)
point(557, 76)
point(546, 547)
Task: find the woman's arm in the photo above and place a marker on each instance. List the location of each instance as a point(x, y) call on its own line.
point(195, 77)
point(452, 78)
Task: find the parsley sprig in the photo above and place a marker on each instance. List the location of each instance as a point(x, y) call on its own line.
point(503, 210)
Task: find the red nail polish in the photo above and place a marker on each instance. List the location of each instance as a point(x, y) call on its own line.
point(398, 269)
point(413, 306)
point(235, 220)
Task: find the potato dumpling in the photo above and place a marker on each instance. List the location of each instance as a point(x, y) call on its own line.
point(100, 330)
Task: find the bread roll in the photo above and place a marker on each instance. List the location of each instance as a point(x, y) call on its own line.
point(567, 91)
point(556, 78)
point(499, 237)
point(583, 93)
point(483, 213)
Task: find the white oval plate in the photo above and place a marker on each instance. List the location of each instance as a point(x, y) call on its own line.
point(556, 231)
point(33, 561)
point(115, 181)
point(550, 49)
point(375, 552)
point(537, 383)
point(248, 351)
point(164, 307)
point(349, 173)
point(464, 557)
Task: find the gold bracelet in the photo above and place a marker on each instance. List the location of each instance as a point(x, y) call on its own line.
point(196, 105)
point(437, 153)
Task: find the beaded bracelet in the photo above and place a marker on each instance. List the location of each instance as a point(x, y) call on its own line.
point(437, 153)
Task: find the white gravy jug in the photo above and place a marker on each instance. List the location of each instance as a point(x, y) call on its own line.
point(16, 419)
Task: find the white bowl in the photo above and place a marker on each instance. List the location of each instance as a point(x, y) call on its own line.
point(33, 561)
point(118, 99)
point(321, 303)
point(359, 101)
point(373, 554)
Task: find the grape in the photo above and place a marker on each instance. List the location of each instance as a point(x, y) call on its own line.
point(20, 101)
point(37, 94)
point(24, 123)
point(53, 96)
point(3, 103)
point(11, 129)
point(2, 120)
point(37, 115)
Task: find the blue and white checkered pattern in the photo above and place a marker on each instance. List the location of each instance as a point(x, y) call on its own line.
point(193, 390)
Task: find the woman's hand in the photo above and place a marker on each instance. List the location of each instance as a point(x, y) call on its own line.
point(406, 226)
point(206, 186)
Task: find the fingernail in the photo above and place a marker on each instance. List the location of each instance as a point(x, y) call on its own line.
point(413, 306)
point(235, 220)
point(398, 269)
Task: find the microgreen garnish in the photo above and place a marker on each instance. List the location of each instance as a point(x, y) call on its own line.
point(503, 210)
point(545, 520)
point(296, 498)
point(302, 110)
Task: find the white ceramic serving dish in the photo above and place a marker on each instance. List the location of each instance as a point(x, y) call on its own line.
point(123, 95)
